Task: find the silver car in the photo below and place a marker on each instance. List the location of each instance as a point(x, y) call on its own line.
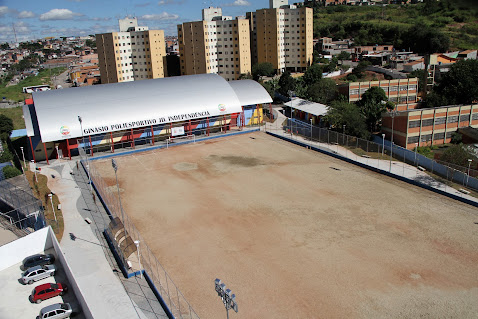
point(56, 311)
point(38, 273)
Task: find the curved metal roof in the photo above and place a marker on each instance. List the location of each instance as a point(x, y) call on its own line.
point(250, 92)
point(120, 106)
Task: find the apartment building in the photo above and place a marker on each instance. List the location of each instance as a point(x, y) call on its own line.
point(134, 53)
point(426, 127)
point(217, 44)
point(402, 92)
point(282, 35)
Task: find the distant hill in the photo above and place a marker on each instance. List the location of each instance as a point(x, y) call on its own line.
point(455, 22)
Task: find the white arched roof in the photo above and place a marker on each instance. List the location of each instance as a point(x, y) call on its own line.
point(120, 106)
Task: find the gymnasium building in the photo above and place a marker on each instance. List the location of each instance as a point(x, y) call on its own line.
point(106, 117)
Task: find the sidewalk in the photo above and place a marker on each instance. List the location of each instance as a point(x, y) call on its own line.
point(395, 167)
point(106, 291)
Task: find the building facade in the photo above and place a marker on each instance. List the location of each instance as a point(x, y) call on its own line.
point(283, 36)
point(135, 54)
point(402, 92)
point(217, 44)
point(426, 127)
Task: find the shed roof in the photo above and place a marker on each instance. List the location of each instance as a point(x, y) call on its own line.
point(129, 105)
point(310, 107)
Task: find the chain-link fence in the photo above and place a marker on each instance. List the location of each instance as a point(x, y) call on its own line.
point(172, 296)
point(20, 211)
point(397, 160)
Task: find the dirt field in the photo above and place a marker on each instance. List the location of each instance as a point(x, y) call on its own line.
point(297, 234)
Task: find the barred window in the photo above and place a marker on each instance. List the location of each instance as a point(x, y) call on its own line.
point(412, 98)
point(440, 120)
point(393, 99)
point(449, 134)
point(362, 91)
point(403, 87)
point(412, 124)
point(439, 136)
point(474, 116)
point(412, 139)
point(465, 118)
point(412, 87)
point(394, 88)
point(428, 122)
point(453, 119)
point(425, 138)
point(354, 91)
point(403, 99)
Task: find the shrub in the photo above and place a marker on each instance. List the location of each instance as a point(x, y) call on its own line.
point(10, 171)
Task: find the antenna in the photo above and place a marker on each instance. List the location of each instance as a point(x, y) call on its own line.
point(15, 33)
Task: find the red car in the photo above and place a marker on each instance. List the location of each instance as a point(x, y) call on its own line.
point(47, 291)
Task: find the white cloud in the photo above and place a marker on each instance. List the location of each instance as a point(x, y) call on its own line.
point(145, 4)
point(238, 3)
point(161, 16)
point(164, 2)
point(59, 14)
point(3, 10)
point(100, 19)
point(26, 15)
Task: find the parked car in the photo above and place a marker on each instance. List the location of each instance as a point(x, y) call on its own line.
point(38, 273)
point(47, 291)
point(38, 260)
point(56, 311)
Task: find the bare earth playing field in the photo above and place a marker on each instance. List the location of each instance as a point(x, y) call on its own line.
point(297, 234)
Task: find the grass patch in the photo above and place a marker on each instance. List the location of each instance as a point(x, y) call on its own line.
point(16, 114)
point(14, 92)
point(41, 191)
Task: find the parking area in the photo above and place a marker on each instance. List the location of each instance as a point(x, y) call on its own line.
point(15, 301)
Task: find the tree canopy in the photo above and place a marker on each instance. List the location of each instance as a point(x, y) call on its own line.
point(313, 74)
point(374, 102)
point(6, 127)
point(262, 69)
point(323, 91)
point(342, 113)
point(458, 154)
point(424, 39)
point(457, 86)
point(286, 83)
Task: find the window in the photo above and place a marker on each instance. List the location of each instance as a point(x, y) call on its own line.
point(439, 136)
point(465, 118)
point(474, 116)
point(428, 122)
point(453, 119)
point(412, 139)
point(394, 88)
point(412, 87)
point(413, 124)
point(426, 138)
point(449, 134)
point(440, 120)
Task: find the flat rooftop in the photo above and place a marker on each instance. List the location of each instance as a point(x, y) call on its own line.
point(295, 233)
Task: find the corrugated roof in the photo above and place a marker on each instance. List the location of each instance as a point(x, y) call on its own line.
point(119, 106)
point(310, 107)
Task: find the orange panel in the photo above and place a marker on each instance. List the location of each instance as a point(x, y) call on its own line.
point(439, 126)
point(414, 130)
point(414, 117)
point(427, 116)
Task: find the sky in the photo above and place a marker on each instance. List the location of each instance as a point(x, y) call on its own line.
point(35, 19)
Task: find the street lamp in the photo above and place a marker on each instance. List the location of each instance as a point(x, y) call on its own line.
point(136, 242)
point(35, 170)
point(23, 155)
point(383, 143)
point(311, 129)
point(392, 114)
point(52, 207)
point(468, 176)
point(115, 167)
point(228, 298)
point(344, 132)
point(416, 148)
point(87, 162)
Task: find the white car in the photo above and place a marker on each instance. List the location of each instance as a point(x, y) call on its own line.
point(38, 273)
point(56, 311)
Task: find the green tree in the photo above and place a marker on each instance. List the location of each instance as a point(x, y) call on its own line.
point(286, 83)
point(458, 154)
point(456, 138)
point(6, 127)
point(271, 86)
point(10, 171)
point(341, 113)
point(262, 69)
point(313, 74)
point(5, 46)
point(424, 39)
point(324, 91)
point(90, 43)
point(344, 55)
point(373, 103)
point(420, 74)
point(460, 84)
point(359, 70)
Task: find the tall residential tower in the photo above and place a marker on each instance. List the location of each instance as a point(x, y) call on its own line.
point(217, 44)
point(134, 53)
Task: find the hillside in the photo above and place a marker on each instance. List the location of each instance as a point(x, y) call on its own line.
point(397, 24)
